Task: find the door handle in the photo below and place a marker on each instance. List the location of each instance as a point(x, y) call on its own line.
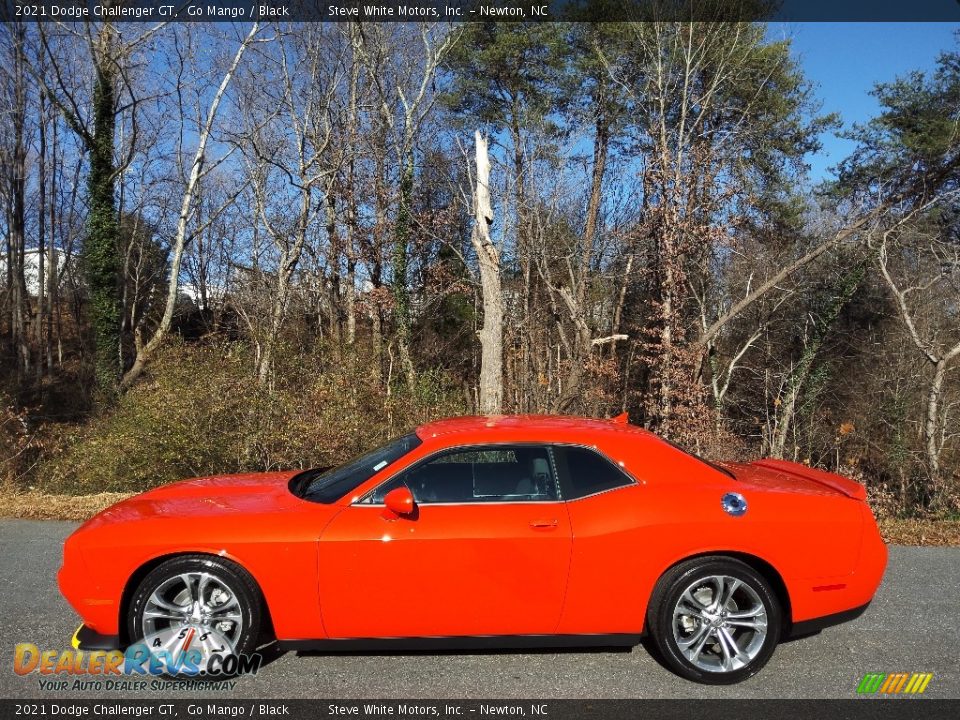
point(543, 524)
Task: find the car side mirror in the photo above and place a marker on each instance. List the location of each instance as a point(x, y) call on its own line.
point(400, 501)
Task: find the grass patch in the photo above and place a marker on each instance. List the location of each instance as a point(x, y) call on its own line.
point(37, 505)
point(921, 532)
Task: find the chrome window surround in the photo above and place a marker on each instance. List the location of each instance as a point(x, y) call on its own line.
point(630, 479)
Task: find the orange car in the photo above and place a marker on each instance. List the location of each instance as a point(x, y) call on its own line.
point(513, 531)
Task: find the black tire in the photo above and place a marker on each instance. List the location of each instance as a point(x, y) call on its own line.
point(234, 577)
point(661, 623)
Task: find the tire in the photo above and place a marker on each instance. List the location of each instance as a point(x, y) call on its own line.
point(695, 644)
point(227, 620)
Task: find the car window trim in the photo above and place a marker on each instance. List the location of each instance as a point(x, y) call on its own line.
point(463, 448)
point(563, 476)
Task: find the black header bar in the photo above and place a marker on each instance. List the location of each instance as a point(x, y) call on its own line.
point(154, 11)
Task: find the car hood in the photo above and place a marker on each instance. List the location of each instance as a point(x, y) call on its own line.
point(251, 493)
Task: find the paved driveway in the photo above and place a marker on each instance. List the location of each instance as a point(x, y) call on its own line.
point(913, 625)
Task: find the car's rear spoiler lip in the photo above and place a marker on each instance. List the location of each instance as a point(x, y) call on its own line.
point(848, 487)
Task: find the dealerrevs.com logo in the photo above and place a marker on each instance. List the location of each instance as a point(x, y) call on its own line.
point(899, 683)
point(138, 659)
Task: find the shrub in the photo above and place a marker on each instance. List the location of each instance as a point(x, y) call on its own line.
point(200, 412)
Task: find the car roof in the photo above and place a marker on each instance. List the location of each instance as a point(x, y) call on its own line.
point(495, 424)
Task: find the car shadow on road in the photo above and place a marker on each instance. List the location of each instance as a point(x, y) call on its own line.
point(271, 651)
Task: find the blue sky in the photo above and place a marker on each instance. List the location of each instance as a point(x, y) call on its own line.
point(844, 60)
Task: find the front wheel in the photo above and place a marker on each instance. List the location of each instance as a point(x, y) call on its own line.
point(714, 620)
point(195, 604)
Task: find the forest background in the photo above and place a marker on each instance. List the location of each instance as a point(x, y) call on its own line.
point(261, 246)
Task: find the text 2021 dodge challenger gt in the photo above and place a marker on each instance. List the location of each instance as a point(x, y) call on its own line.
point(487, 532)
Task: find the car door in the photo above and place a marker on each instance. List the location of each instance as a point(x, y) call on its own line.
point(485, 552)
point(612, 538)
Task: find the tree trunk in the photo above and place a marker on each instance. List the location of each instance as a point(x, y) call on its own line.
point(53, 271)
point(523, 249)
point(601, 146)
point(401, 293)
point(20, 300)
point(335, 251)
point(376, 251)
point(146, 350)
point(350, 249)
point(577, 304)
point(663, 405)
point(931, 426)
point(488, 258)
point(41, 240)
point(787, 409)
point(278, 312)
point(350, 292)
point(100, 252)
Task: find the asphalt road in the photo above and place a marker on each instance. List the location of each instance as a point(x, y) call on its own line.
point(912, 626)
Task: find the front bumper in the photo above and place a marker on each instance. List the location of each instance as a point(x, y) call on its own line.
point(86, 638)
point(81, 588)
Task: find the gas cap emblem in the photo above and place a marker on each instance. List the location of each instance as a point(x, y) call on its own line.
point(734, 504)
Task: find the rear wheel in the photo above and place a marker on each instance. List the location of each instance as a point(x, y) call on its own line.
point(196, 603)
point(714, 620)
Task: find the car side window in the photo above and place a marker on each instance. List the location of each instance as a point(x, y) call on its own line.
point(590, 473)
point(515, 473)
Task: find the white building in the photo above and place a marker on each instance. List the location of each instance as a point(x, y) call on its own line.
point(31, 268)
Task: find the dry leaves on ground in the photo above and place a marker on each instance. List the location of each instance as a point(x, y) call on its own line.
point(34, 505)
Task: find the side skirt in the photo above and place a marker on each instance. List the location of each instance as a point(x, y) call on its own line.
point(472, 642)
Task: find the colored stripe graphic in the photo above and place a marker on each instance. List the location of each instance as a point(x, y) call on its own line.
point(894, 683)
point(922, 685)
point(871, 683)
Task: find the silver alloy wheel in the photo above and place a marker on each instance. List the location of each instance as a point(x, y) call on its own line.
point(201, 601)
point(719, 623)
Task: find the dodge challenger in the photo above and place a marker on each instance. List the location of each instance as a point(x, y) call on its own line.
point(486, 532)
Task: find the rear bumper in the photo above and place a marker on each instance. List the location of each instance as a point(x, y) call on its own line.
point(812, 627)
point(86, 638)
point(831, 600)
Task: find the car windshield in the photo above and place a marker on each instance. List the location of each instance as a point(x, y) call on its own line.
point(327, 485)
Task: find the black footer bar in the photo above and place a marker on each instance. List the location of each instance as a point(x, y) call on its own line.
point(873, 708)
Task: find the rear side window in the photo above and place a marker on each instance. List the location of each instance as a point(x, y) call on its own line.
point(589, 473)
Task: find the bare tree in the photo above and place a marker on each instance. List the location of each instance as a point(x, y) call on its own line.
point(800, 371)
point(405, 101)
point(922, 273)
point(488, 258)
point(13, 161)
point(289, 162)
point(111, 96)
point(197, 170)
